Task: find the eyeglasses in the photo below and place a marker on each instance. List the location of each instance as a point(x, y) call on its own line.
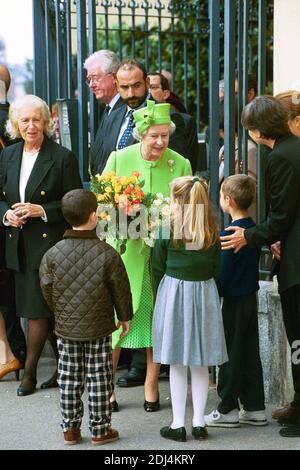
point(154, 87)
point(95, 79)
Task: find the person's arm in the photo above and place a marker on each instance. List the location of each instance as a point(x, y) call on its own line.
point(187, 168)
point(111, 164)
point(46, 279)
point(159, 262)
point(284, 197)
point(284, 201)
point(119, 286)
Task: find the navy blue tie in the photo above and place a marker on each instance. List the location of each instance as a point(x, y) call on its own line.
point(127, 133)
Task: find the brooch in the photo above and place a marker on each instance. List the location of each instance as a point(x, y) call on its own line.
point(171, 164)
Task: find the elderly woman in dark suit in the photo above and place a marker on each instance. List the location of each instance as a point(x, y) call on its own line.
point(34, 175)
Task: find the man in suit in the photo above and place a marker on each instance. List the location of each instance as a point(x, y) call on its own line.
point(160, 90)
point(15, 335)
point(101, 69)
point(267, 122)
point(133, 86)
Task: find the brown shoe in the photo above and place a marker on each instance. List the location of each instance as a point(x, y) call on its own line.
point(286, 412)
point(112, 435)
point(73, 436)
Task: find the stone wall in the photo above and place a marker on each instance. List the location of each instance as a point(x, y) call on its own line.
point(274, 348)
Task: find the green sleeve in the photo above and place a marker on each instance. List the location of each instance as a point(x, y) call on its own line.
point(217, 260)
point(187, 168)
point(159, 262)
point(111, 164)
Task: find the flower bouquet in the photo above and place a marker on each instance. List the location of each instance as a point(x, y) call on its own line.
point(125, 211)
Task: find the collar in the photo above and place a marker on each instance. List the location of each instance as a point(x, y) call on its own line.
point(70, 233)
point(113, 101)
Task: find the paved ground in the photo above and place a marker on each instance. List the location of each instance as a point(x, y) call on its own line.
point(33, 423)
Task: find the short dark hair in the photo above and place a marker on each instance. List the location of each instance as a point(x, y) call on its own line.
point(241, 189)
point(267, 115)
point(129, 64)
point(77, 205)
point(163, 81)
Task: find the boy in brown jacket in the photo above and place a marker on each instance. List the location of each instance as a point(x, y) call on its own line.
point(83, 280)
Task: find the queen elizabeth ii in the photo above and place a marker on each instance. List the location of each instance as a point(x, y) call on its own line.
point(158, 166)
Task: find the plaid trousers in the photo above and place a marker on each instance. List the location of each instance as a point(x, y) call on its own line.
point(87, 362)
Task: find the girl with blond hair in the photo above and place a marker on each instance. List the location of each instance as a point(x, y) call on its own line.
point(187, 321)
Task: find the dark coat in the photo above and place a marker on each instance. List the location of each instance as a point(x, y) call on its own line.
point(283, 220)
point(83, 280)
point(54, 174)
point(180, 140)
point(96, 151)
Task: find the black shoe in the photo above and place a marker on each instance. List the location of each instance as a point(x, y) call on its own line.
point(23, 391)
point(293, 430)
point(151, 406)
point(51, 383)
point(133, 378)
point(114, 406)
point(293, 418)
point(178, 434)
point(199, 433)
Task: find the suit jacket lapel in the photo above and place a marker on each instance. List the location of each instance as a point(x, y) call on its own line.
point(116, 118)
point(41, 167)
point(13, 173)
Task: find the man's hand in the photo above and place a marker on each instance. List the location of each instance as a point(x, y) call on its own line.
point(125, 327)
point(235, 241)
point(276, 250)
point(24, 210)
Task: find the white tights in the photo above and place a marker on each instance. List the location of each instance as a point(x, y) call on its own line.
point(178, 386)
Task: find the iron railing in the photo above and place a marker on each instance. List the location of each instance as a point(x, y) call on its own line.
point(198, 41)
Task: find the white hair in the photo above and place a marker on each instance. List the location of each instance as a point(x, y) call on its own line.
point(107, 60)
point(137, 136)
point(12, 127)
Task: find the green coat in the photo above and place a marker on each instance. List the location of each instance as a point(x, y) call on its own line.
point(157, 176)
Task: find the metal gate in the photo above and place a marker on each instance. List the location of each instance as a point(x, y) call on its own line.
point(198, 41)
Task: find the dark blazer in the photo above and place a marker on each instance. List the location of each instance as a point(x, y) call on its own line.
point(54, 174)
point(283, 220)
point(179, 140)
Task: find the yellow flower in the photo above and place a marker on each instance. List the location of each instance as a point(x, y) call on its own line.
point(100, 197)
point(117, 198)
point(108, 189)
point(118, 188)
point(124, 180)
point(133, 179)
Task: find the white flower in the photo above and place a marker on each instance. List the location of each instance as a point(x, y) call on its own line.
point(157, 202)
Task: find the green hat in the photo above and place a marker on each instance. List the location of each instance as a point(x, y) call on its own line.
point(152, 115)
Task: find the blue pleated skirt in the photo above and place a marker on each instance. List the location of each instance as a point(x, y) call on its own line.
point(187, 324)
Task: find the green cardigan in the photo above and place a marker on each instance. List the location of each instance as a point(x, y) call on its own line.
point(181, 263)
point(157, 176)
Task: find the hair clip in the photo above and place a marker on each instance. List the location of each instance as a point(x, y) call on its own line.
point(195, 180)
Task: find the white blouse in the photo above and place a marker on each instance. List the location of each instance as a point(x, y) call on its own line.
point(28, 161)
